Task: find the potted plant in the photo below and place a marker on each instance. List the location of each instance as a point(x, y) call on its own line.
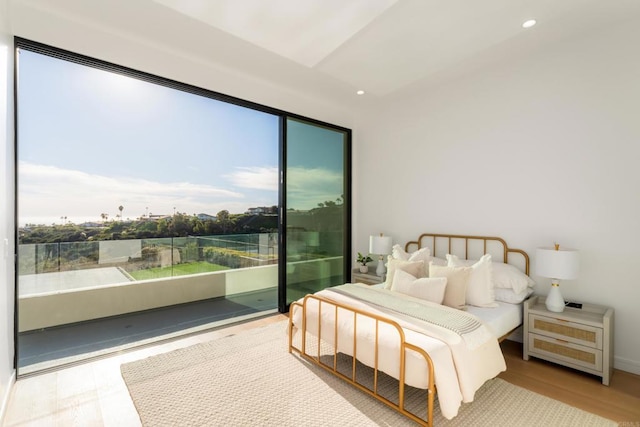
point(363, 260)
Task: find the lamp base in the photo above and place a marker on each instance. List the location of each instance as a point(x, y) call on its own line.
point(554, 301)
point(381, 269)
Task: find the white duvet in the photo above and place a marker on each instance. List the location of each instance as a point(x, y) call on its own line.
point(460, 368)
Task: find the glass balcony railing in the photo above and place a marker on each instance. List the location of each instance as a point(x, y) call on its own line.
point(70, 282)
point(117, 261)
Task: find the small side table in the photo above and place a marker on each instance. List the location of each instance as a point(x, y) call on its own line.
point(366, 278)
point(578, 338)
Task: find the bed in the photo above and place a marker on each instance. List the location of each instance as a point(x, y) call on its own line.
point(421, 342)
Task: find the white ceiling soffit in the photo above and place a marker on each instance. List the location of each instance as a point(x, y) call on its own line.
point(330, 48)
point(305, 31)
point(379, 46)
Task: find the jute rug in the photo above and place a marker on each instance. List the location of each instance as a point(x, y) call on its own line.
point(251, 379)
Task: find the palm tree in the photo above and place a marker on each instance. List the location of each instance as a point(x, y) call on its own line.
point(120, 208)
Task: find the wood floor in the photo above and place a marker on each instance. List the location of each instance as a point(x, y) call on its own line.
point(619, 402)
point(94, 394)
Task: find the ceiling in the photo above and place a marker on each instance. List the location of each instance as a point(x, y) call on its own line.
point(336, 47)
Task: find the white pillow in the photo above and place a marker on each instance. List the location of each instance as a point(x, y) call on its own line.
point(507, 295)
point(423, 288)
point(423, 255)
point(507, 276)
point(415, 268)
point(461, 262)
point(438, 261)
point(457, 278)
point(480, 286)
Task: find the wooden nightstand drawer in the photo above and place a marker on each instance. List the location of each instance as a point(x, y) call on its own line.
point(581, 338)
point(571, 354)
point(565, 330)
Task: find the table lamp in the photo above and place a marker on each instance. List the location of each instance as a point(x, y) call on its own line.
point(381, 246)
point(556, 264)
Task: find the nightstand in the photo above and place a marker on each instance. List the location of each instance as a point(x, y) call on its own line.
point(366, 278)
point(578, 338)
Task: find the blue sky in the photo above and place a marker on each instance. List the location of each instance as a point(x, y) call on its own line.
point(90, 141)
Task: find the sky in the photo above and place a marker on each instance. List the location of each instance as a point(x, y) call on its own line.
point(90, 141)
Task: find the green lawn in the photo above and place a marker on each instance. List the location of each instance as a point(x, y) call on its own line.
point(177, 270)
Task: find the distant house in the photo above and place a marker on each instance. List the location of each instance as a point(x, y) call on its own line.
point(91, 224)
point(206, 217)
point(157, 217)
point(262, 210)
point(255, 211)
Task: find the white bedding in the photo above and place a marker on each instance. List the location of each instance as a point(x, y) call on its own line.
point(502, 319)
point(459, 370)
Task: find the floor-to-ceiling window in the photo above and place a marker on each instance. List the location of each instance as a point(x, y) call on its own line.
point(136, 193)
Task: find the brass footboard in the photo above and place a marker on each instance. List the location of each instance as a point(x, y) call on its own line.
point(333, 367)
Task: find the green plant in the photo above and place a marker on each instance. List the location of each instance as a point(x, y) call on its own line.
point(362, 259)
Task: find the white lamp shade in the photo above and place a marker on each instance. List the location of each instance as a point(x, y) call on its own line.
point(380, 245)
point(557, 264)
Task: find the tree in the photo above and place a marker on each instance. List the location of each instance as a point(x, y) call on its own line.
point(223, 219)
point(120, 208)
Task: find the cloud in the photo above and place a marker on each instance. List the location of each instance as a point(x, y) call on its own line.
point(49, 191)
point(305, 187)
point(257, 178)
point(308, 187)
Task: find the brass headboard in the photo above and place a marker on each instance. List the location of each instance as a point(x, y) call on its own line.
point(470, 247)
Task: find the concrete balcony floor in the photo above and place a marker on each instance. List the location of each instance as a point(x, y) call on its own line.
point(65, 345)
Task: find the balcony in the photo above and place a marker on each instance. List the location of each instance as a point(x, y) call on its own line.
point(62, 283)
point(190, 280)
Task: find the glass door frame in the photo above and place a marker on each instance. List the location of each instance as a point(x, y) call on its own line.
point(283, 306)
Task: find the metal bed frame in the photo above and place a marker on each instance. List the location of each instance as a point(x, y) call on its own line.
point(423, 240)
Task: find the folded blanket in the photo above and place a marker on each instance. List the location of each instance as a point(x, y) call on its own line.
point(462, 323)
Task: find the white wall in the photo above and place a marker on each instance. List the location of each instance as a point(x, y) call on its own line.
point(7, 286)
point(540, 149)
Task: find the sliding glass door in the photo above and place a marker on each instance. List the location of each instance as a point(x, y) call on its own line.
point(148, 206)
point(316, 220)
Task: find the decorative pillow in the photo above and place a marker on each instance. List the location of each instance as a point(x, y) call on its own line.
point(423, 255)
point(480, 286)
point(415, 268)
point(457, 278)
point(438, 261)
point(460, 262)
point(420, 255)
point(506, 276)
point(507, 295)
point(430, 289)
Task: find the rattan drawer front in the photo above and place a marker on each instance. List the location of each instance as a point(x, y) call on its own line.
point(568, 331)
point(565, 351)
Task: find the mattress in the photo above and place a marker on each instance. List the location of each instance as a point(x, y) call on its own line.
point(502, 319)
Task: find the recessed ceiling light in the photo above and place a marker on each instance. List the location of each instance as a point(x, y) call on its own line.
point(360, 92)
point(528, 24)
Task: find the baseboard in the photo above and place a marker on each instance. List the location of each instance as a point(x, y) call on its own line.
point(626, 365)
point(5, 399)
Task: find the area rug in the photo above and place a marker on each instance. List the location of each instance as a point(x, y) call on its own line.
point(251, 379)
